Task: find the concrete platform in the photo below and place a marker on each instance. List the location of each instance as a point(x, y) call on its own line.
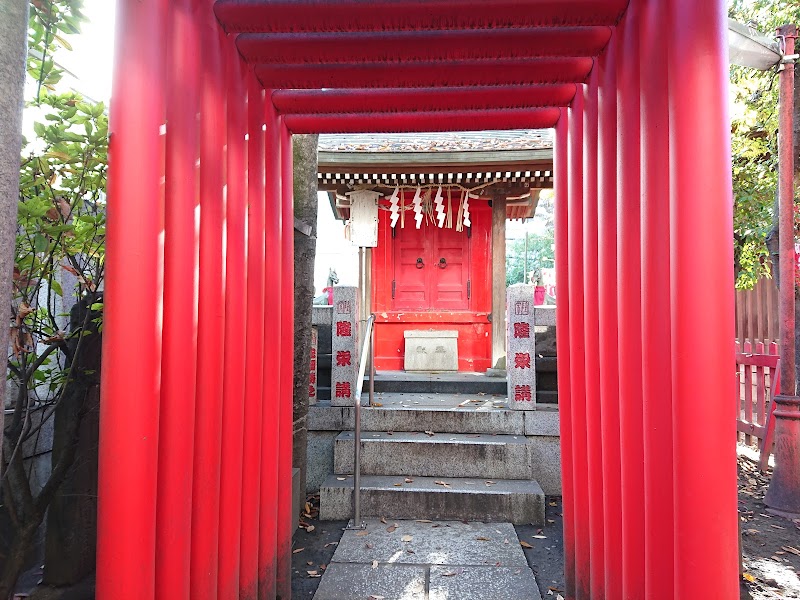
point(445, 560)
point(436, 455)
point(393, 497)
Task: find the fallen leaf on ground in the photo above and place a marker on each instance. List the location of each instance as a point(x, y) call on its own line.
point(296, 550)
point(442, 483)
point(374, 564)
point(748, 577)
point(398, 485)
point(330, 544)
point(791, 549)
point(341, 478)
point(429, 433)
point(525, 545)
point(374, 597)
point(310, 528)
point(539, 537)
point(312, 573)
point(406, 538)
point(392, 528)
point(362, 533)
point(449, 574)
point(423, 521)
point(409, 480)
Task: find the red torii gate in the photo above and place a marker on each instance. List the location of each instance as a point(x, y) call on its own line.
point(196, 422)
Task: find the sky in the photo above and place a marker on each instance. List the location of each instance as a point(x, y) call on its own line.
point(92, 55)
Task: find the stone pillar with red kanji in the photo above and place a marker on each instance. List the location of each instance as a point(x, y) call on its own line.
point(344, 346)
point(312, 377)
point(521, 347)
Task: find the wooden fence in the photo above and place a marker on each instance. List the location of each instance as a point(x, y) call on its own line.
point(757, 378)
point(757, 314)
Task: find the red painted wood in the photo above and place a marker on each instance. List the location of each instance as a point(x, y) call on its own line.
point(423, 121)
point(426, 74)
point(178, 364)
point(271, 372)
point(608, 319)
point(422, 282)
point(629, 305)
point(233, 400)
point(704, 457)
point(421, 309)
point(561, 189)
point(656, 327)
point(354, 15)
point(577, 349)
point(285, 427)
point(128, 467)
point(211, 333)
point(378, 100)
point(210, 341)
point(394, 46)
point(592, 339)
point(255, 394)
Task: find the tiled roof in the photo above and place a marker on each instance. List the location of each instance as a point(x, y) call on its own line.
point(529, 139)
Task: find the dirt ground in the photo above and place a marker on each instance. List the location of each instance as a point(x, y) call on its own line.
point(770, 544)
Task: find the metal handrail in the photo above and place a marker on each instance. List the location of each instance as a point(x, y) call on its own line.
point(367, 350)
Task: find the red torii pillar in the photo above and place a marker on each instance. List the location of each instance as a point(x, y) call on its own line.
point(666, 246)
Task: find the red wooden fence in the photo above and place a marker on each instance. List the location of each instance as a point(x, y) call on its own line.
point(757, 378)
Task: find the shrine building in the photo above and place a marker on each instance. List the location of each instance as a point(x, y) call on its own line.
point(431, 211)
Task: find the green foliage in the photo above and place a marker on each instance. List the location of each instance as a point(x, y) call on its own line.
point(540, 256)
point(754, 142)
point(61, 211)
point(59, 259)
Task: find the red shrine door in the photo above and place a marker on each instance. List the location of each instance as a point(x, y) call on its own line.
point(431, 269)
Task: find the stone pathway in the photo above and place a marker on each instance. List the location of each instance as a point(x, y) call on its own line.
point(424, 560)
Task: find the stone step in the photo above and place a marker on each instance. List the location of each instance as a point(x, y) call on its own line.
point(441, 413)
point(468, 499)
point(436, 455)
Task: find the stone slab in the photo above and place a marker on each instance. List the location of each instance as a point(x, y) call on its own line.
point(545, 456)
point(430, 350)
point(545, 315)
point(438, 543)
point(297, 500)
point(542, 421)
point(516, 501)
point(319, 453)
point(437, 455)
point(321, 315)
point(521, 347)
point(443, 383)
point(474, 583)
point(343, 581)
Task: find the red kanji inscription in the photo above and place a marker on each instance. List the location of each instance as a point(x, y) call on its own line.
point(522, 360)
point(343, 358)
point(343, 389)
point(522, 330)
point(311, 391)
point(344, 328)
point(522, 393)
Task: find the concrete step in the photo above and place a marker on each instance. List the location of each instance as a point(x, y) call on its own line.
point(468, 499)
point(436, 455)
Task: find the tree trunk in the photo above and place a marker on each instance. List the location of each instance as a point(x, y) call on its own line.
point(773, 237)
point(13, 47)
point(305, 247)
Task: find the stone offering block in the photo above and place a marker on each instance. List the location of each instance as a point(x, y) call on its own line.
point(431, 350)
point(521, 347)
